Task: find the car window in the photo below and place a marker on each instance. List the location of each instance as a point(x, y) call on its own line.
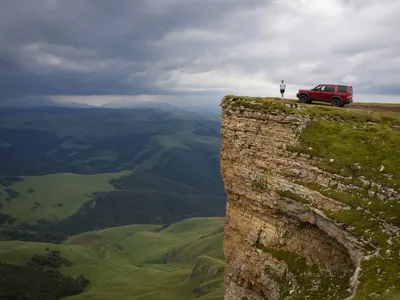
point(322, 88)
point(329, 88)
point(342, 89)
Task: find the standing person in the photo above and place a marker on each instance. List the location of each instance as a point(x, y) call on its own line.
point(283, 88)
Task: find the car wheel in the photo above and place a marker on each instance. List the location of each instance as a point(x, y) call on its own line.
point(303, 98)
point(336, 102)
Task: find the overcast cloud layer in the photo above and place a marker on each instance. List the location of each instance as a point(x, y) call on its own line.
point(196, 49)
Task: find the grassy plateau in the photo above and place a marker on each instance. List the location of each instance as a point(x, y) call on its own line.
point(55, 196)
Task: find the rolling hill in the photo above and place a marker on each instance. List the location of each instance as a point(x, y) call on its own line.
point(182, 261)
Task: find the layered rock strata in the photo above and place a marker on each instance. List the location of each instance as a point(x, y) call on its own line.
point(279, 243)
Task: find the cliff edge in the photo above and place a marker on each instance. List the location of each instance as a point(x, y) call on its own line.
point(313, 208)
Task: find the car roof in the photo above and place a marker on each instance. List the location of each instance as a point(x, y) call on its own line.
point(333, 84)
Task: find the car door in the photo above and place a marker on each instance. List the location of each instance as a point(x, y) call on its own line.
point(319, 94)
point(328, 93)
point(314, 93)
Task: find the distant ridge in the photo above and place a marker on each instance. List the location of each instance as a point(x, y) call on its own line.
point(39, 102)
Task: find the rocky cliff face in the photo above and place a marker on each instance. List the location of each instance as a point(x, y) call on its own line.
point(304, 222)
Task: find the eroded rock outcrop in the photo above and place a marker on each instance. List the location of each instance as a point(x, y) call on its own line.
point(292, 230)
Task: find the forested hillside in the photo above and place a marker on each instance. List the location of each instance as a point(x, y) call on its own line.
point(69, 170)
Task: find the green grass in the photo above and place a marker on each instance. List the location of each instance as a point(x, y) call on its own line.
point(129, 262)
point(293, 196)
point(312, 282)
point(54, 196)
point(355, 149)
point(109, 235)
point(291, 106)
point(389, 211)
point(391, 296)
point(259, 184)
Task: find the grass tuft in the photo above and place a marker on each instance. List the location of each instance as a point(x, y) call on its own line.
point(293, 196)
point(259, 184)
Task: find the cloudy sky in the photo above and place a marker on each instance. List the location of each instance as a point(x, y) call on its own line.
point(195, 51)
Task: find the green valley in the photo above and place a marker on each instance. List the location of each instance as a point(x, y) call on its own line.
point(110, 203)
point(182, 261)
point(74, 169)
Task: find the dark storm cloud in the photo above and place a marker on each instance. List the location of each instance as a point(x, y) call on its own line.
point(132, 47)
point(98, 46)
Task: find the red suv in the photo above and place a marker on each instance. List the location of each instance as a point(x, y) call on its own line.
point(338, 95)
